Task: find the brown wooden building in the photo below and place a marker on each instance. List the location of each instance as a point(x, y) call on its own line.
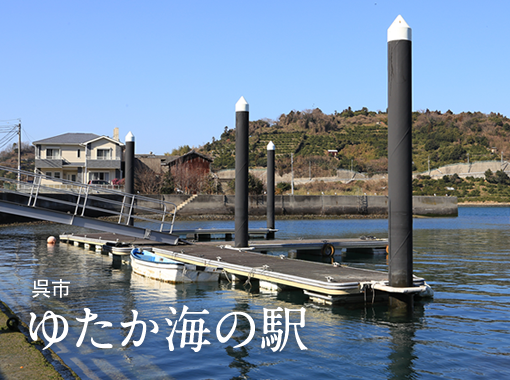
point(189, 171)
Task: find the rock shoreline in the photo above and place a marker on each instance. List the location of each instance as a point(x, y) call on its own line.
point(22, 358)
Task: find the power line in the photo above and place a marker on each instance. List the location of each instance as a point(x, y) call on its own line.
point(10, 132)
point(14, 127)
point(7, 139)
point(30, 138)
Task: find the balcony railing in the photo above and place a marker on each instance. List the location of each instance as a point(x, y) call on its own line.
point(103, 164)
point(49, 162)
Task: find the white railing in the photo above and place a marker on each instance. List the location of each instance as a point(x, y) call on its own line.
point(73, 187)
point(82, 200)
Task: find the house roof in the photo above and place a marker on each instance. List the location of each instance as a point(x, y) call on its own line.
point(72, 138)
point(167, 159)
point(172, 160)
point(150, 155)
point(104, 137)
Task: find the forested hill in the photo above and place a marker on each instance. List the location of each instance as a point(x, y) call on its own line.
point(9, 158)
point(361, 140)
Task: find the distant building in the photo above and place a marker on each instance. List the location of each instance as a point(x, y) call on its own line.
point(192, 161)
point(332, 152)
point(189, 170)
point(153, 162)
point(80, 157)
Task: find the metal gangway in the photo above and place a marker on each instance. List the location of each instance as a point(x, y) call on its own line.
point(58, 200)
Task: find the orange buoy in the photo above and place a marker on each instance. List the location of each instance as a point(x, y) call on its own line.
point(51, 240)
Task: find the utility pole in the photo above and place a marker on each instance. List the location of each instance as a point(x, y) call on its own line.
point(292, 170)
point(19, 152)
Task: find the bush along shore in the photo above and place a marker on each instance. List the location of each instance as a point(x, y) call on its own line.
point(495, 187)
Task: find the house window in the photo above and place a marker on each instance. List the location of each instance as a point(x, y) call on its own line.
point(99, 176)
point(78, 153)
point(104, 154)
point(52, 154)
point(57, 175)
point(47, 174)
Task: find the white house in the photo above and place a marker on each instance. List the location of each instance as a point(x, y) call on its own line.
point(80, 157)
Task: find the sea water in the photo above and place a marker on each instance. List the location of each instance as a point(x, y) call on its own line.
point(463, 333)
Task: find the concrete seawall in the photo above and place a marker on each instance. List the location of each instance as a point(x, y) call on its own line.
point(289, 205)
point(313, 205)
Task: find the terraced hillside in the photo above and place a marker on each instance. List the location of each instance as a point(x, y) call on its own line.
point(360, 139)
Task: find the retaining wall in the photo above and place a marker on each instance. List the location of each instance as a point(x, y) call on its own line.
point(290, 205)
point(313, 205)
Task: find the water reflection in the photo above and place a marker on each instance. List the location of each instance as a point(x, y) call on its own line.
point(402, 355)
point(240, 354)
point(466, 326)
point(113, 294)
point(403, 327)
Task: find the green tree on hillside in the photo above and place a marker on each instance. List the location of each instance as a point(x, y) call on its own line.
point(180, 151)
point(168, 185)
point(500, 177)
point(360, 137)
point(255, 185)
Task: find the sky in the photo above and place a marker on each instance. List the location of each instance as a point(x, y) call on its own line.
point(171, 71)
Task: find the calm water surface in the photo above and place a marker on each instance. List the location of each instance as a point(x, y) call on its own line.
point(462, 334)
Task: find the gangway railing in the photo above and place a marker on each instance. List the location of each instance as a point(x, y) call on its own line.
point(40, 191)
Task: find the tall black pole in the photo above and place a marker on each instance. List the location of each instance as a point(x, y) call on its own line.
point(241, 180)
point(130, 164)
point(400, 160)
point(129, 185)
point(270, 188)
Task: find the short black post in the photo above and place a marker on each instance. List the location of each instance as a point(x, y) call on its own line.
point(400, 161)
point(241, 180)
point(270, 188)
point(129, 185)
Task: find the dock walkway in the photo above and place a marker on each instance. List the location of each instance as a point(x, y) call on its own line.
point(326, 247)
point(328, 283)
point(205, 234)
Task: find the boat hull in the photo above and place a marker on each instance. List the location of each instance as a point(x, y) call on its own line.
point(159, 268)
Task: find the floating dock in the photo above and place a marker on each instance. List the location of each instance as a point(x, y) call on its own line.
point(206, 234)
point(324, 283)
point(324, 247)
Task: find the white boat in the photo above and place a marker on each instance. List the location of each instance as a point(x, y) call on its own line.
point(154, 266)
